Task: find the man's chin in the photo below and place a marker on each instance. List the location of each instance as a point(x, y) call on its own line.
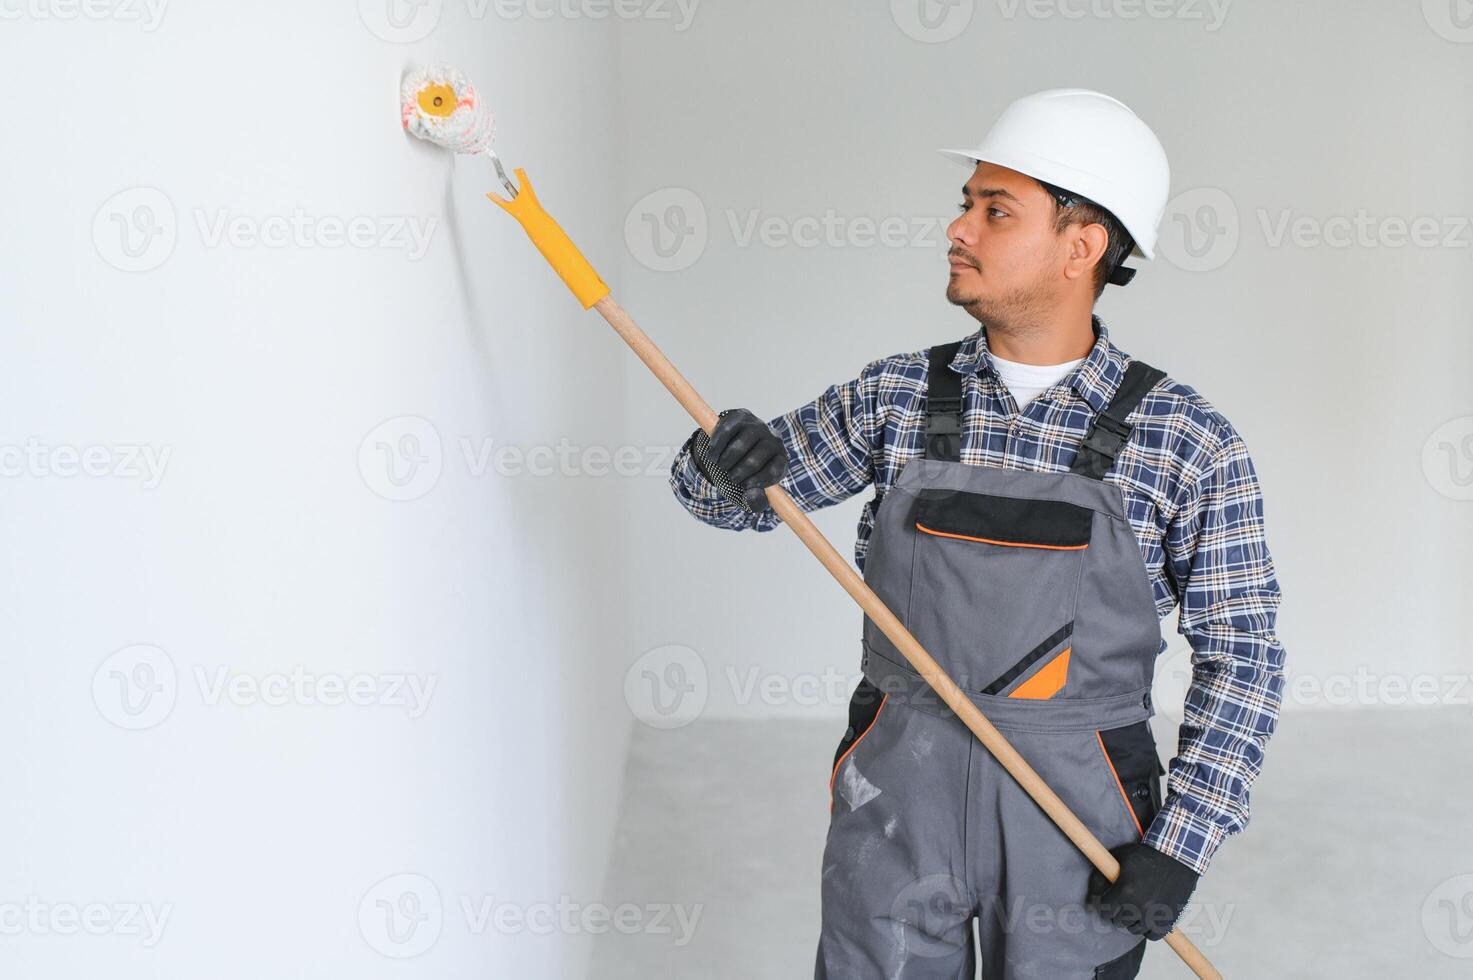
point(958, 295)
point(962, 288)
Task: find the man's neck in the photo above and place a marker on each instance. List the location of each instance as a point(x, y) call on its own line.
point(1046, 342)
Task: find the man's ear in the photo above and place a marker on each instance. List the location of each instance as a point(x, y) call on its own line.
point(1087, 244)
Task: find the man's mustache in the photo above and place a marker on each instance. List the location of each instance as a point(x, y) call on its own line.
point(956, 253)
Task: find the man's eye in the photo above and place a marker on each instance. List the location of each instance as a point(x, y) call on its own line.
point(1003, 214)
point(963, 206)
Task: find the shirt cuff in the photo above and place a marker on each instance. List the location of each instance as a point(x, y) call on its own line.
point(699, 495)
point(1182, 833)
point(687, 473)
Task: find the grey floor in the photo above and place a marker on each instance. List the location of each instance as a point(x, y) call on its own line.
point(1358, 819)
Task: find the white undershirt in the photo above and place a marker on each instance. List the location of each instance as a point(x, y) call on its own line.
point(1027, 381)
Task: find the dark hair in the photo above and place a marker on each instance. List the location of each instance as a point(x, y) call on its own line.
point(1073, 208)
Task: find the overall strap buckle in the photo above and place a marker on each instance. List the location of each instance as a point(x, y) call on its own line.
point(1106, 436)
point(1108, 432)
point(943, 437)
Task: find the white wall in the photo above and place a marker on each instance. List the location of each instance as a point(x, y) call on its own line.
point(261, 371)
point(1338, 364)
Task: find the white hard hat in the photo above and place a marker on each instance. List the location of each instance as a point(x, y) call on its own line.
point(1090, 144)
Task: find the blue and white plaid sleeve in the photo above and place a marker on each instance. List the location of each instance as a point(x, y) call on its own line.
point(830, 457)
point(1218, 560)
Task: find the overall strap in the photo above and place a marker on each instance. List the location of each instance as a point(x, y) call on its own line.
point(943, 438)
point(1108, 432)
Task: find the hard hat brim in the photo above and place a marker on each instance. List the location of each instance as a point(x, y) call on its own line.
point(969, 158)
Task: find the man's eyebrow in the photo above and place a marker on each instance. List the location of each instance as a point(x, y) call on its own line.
point(991, 192)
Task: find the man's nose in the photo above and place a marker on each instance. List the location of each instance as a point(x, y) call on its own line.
point(959, 232)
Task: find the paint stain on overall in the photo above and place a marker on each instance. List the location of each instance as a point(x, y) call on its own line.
point(856, 790)
point(901, 952)
point(922, 744)
point(867, 850)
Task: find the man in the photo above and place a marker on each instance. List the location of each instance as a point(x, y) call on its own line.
point(1041, 500)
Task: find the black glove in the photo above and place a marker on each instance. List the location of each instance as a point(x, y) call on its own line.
point(741, 457)
point(1148, 896)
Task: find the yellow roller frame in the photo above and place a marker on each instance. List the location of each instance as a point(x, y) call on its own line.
point(554, 244)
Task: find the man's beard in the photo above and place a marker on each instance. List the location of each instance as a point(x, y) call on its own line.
point(1021, 306)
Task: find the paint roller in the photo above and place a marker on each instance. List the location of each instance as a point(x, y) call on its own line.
point(440, 106)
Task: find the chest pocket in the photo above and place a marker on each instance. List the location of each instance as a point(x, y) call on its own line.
point(995, 586)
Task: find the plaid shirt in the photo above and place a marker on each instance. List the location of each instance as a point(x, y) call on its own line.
point(1191, 494)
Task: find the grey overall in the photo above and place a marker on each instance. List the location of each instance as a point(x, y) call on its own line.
point(1031, 591)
